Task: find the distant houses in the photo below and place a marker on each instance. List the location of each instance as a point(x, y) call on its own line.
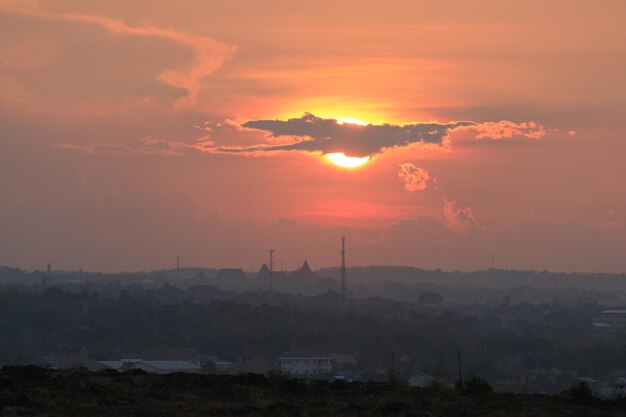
point(165, 359)
point(611, 319)
point(306, 363)
point(161, 359)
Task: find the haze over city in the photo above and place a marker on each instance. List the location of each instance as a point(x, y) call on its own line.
point(431, 134)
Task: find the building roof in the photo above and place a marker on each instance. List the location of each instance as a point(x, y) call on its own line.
point(173, 365)
point(304, 273)
point(75, 360)
point(264, 274)
point(305, 266)
point(165, 366)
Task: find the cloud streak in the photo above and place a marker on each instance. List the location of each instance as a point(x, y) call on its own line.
point(209, 54)
point(146, 146)
point(506, 129)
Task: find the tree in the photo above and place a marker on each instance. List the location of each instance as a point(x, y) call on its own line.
point(430, 297)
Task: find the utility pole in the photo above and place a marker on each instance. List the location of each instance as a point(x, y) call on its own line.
point(271, 265)
point(344, 288)
point(45, 281)
point(177, 268)
point(493, 261)
point(458, 357)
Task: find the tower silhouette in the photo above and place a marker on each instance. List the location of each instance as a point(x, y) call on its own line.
point(271, 265)
point(344, 287)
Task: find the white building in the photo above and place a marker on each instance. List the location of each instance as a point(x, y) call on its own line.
point(610, 319)
point(305, 363)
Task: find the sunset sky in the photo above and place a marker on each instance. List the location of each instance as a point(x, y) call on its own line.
point(135, 131)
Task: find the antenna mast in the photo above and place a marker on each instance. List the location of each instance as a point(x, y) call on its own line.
point(45, 281)
point(344, 289)
point(271, 265)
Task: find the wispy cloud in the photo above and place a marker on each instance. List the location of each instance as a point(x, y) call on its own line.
point(506, 129)
point(209, 54)
point(146, 146)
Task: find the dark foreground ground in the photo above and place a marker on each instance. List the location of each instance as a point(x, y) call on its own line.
point(32, 391)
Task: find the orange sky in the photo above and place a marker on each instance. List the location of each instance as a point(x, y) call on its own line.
point(118, 120)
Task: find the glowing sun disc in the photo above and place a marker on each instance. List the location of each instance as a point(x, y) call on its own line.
point(352, 121)
point(344, 161)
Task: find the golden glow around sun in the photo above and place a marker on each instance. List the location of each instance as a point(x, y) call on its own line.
point(352, 121)
point(344, 161)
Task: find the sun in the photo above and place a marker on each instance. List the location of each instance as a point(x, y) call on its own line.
point(340, 159)
point(352, 121)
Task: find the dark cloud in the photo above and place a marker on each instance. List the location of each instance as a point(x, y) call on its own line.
point(315, 134)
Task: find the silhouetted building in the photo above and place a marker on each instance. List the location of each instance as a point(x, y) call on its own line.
point(304, 273)
point(264, 274)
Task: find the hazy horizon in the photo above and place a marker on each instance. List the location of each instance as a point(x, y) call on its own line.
point(297, 267)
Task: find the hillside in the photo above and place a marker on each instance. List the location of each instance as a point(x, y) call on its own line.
point(33, 391)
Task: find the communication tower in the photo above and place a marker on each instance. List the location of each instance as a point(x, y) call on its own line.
point(344, 287)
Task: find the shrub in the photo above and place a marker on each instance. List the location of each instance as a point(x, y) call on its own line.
point(277, 377)
point(395, 379)
point(475, 385)
point(580, 393)
point(437, 386)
